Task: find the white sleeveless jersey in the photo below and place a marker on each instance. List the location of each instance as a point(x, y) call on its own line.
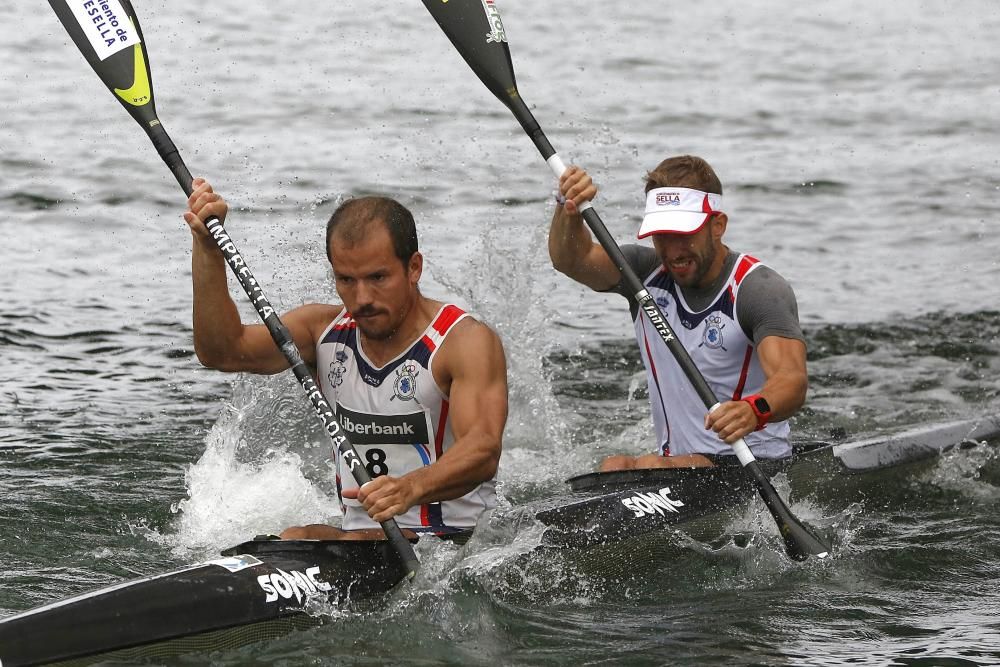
point(397, 419)
point(723, 354)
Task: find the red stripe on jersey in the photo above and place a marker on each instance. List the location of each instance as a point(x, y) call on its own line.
point(447, 318)
point(738, 393)
point(426, 340)
point(347, 323)
point(744, 267)
point(439, 436)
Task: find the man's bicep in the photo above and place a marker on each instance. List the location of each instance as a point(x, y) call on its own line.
point(779, 354)
point(478, 394)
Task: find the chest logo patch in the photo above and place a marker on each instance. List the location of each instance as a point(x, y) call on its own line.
point(712, 336)
point(405, 385)
point(338, 368)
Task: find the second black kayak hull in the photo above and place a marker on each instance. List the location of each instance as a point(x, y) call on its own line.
point(620, 505)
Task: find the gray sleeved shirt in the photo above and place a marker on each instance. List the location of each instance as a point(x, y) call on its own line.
point(766, 305)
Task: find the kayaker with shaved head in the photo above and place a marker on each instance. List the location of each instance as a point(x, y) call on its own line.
point(735, 316)
point(419, 386)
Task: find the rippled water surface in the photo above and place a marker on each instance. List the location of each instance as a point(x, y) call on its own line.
point(858, 146)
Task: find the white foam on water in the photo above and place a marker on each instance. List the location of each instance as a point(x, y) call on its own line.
point(960, 470)
point(236, 491)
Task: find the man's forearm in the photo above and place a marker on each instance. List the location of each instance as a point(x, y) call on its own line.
point(569, 241)
point(216, 319)
point(784, 363)
point(468, 463)
point(785, 394)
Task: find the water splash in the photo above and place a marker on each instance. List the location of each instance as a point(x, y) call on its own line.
point(245, 483)
point(967, 471)
point(499, 279)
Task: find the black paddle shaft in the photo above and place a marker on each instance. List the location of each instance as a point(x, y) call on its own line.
point(476, 30)
point(108, 35)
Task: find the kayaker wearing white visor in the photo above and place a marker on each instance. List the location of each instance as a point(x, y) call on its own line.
point(735, 316)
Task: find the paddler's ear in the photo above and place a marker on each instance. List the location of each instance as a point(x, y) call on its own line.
point(719, 222)
point(415, 267)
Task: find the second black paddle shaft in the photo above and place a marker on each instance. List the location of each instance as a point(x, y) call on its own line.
point(475, 29)
point(109, 37)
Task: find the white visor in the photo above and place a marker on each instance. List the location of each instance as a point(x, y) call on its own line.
point(678, 211)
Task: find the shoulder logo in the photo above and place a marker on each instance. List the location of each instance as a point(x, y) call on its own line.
point(138, 94)
point(405, 386)
point(712, 336)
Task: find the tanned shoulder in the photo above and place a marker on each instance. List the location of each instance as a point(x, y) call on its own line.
point(471, 347)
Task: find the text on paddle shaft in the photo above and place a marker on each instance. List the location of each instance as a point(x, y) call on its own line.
point(652, 502)
point(656, 318)
point(228, 248)
point(106, 21)
point(292, 584)
point(324, 410)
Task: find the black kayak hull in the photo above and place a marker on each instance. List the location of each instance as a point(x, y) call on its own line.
point(609, 507)
point(615, 506)
point(257, 590)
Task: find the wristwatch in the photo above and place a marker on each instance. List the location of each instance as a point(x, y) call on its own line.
point(760, 408)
